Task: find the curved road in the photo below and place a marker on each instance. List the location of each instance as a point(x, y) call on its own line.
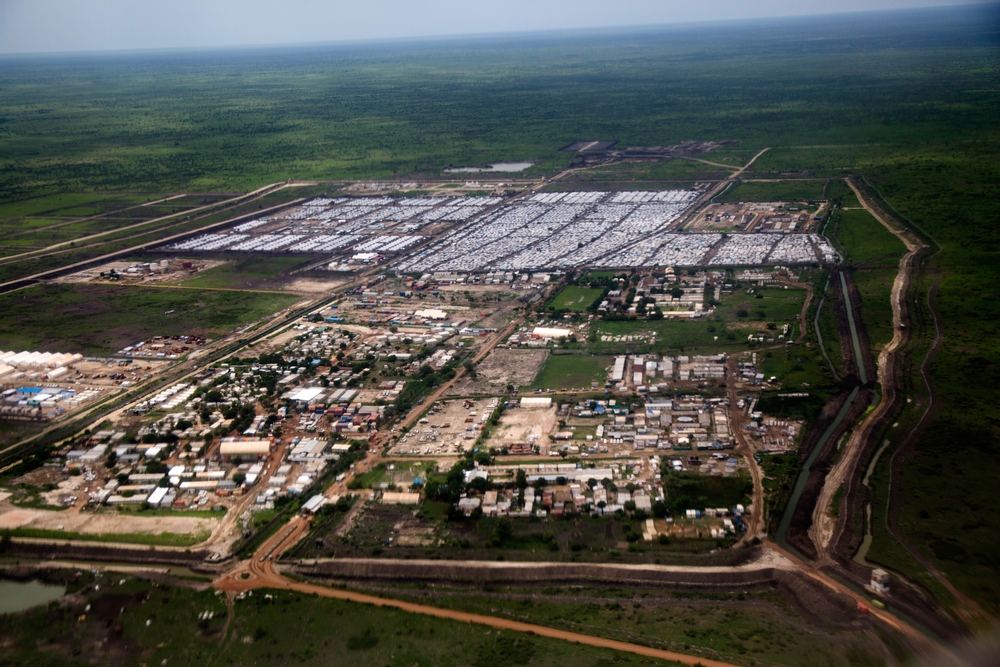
point(259, 572)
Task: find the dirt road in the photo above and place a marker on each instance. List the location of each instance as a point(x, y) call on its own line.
point(259, 572)
point(811, 571)
point(439, 393)
point(824, 524)
point(755, 525)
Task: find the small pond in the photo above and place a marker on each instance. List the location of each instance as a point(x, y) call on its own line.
point(20, 595)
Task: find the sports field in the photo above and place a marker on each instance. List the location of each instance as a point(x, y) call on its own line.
point(573, 371)
point(575, 299)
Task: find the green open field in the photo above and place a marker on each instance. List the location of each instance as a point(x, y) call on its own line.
point(572, 371)
point(574, 298)
point(671, 336)
point(164, 623)
point(98, 319)
point(795, 367)
point(864, 238)
point(307, 113)
point(788, 190)
point(162, 539)
point(675, 169)
point(875, 286)
point(737, 316)
point(754, 626)
point(773, 304)
point(72, 205)
point(252, 272)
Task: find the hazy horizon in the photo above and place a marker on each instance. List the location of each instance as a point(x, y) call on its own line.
point(61, 27)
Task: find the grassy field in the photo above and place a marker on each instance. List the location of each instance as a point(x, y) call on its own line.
point(828, 325)
point(98, 319)
point(72, 205)
point(864, 238)
point(795, 367)
point(754, 626)
point(789, 190)
point(252, 272)
point(238, 120)
point(118, 239)
point(671, 336)
point(574, 298)
point(772, 304)
point(675, 169)
point(875, 286)
point(162, 622)
point(572, 371)
point(161, 539)
point(947, 481)
point(737, 316)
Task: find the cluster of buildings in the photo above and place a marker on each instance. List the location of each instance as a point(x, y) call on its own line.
point(163, 347)
point(633, 485)
point(547, 333)
point(653, 372)
point(689, 423)
point(31, 403)
point(35, 365)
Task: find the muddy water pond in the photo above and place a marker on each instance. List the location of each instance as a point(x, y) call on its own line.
point(17, 596)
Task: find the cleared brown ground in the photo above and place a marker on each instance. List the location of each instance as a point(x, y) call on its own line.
point(502, 367)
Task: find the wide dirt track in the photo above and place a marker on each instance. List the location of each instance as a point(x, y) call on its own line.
point(259, 572)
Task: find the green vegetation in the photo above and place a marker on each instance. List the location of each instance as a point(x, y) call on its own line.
point(252, 272)
point(97, 319)
point(235, 121)
point(791, 407)
point(689, 491)
point(945, 512)
point(159, 539)
point(71, 205)
point(167, 622)
point(875, 287)
point(795, 367)
point(572, 371)
point(752, 625)
point(788, 190)
point(828, 324)
point(864, 238)
point(774, 304)
point(677, 168)
point(670, 335)
point(575, 299)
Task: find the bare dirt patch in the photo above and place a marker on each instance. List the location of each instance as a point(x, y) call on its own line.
point(532, 426)
point(313, 286)
point(451, 427)
point(96, 524)
point(16, 518)
point(503, 366)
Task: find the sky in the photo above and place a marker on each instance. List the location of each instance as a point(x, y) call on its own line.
point(50, 26)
